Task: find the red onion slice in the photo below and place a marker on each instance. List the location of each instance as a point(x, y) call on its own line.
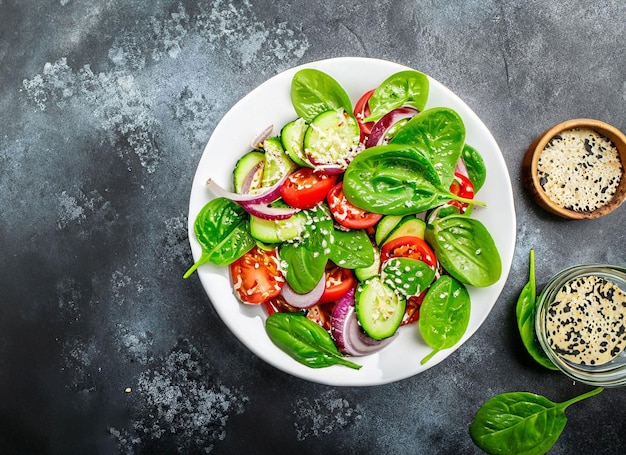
point(348, 334)
point(461, 168)
point(264, 211)
point(269, 195)
point(380, 128)
point(303, 300)
point(257, 204)
point(267, 132)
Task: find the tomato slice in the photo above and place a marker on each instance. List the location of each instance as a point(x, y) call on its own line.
point(412, 312)
point(463, 187)
point(305, 188)
point(409, 247)
point(338, 283)
point(361, 111)
point(278, 305)
point(347, 214)
point(256, 276)
point(321, 314)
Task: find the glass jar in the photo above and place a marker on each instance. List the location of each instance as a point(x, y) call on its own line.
point(581, 323)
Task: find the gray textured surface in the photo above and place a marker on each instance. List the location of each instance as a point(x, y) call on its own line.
point(105, 108)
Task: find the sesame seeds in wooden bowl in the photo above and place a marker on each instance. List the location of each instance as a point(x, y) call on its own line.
point(576, 169)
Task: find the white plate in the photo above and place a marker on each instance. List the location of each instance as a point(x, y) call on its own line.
point(270, 103)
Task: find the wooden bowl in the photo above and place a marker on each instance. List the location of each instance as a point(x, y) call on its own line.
point(531, 173)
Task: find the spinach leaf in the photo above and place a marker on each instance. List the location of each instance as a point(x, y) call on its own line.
point(441, 133)
point(525, 312)
point(222, 230)
point(314, 92)
point(407, 276)
point(521, 423)
point(351, 249)
point(395, 179)
point(444, 314)
point(476, 169)
point(465, 249)
point(304, 340)
point(305, 261)
point(404, 88)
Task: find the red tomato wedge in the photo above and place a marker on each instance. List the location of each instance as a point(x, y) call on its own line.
point(361, 111)
point(347, 214)
point(305, 188)
point(412, 312)
point(409, 247)
point(321, 314)
point(256, 276)
point(463, 187)
point(338, 282)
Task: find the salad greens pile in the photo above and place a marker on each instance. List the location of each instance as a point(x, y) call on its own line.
point(355, 221)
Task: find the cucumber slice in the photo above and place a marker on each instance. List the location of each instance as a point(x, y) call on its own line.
point(363, 273)
point(331, 138)
point(409, 226)
point(379, 309)
point(277, 162)
point(275, 231)
point(244, 166)
point(385, 226)
point(292, 138)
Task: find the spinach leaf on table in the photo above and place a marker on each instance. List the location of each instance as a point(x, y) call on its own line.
point(222, 229)
point(395, 179)
point(444, 314)
point(440, 132)
point(518, 423)
point(525, 312)
point(304, 340)
point(465, 248)
point(404, 88)
point(314, 92)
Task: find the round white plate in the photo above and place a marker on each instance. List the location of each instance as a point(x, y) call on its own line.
point(270, 104)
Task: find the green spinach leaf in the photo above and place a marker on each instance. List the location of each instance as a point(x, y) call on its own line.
point(305, 261)
point(476, 169)
point(440, 132)
point(444, 315)
point(222, 230)
point(404, 88)
point(395, 179)
point(407, 276)
point(465, 249)
point(314, 92)
point(304, 340)
point(525, 312)
point(521, 423)
point(351, 249)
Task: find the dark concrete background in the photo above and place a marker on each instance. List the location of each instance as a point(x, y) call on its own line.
point(105, 108)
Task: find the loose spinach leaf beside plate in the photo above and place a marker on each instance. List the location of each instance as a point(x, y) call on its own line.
point(517, 423)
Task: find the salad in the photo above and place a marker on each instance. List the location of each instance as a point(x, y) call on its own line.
point(354, 221)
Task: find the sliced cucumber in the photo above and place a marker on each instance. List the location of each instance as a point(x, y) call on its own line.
point(363, 273)
point(379, 309)
point(331, 137)
point(409, 226)
point(292, 138)
point(275, 231)
point(277, 162)
point(385, 226)
point(245, 165)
